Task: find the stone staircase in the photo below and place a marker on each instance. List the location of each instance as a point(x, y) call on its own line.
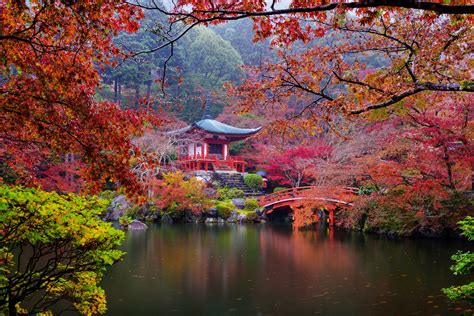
point(235, 180)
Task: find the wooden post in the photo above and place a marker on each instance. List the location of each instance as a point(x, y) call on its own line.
point(331, 217)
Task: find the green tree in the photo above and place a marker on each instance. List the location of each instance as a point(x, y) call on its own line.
point(206, 62)
point(253, 181)
point(464, 265)
point(53, 248)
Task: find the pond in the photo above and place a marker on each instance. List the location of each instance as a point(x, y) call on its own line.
point(272, 270)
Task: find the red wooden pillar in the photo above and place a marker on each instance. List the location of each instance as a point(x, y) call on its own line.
point(331, 217)
point(195, 149)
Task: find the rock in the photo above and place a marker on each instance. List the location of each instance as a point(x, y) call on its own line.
point(239, 203)
point(117, 208)
point(212, 212)
point(241, 218)
point(220, 221)
point(166, 219)
point(191, 218)
point(210, 192)
point(233, 218)
point(203, 176)
point(210, 220)
point(137, 225)
point(152, 217)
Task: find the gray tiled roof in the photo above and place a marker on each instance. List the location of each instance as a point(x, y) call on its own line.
point(213, 126)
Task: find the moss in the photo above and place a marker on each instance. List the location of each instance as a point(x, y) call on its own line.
point(251, 205)
point(252, 217)
point(108, 195)
point(226, 193)
point(224, 209)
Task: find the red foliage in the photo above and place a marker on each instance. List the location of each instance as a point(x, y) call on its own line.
point(50, 53)
point(295, 165)
point(175, 194)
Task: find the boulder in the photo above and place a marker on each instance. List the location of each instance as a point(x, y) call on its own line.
point(220, 221)
point(210, 192)
point(137, 225)
point(212, 212)
point(117, 208)
point(191, 218)
point(210, 220)
point(239, 203)
point(166, 219)
point(233, 218)
point(241, 218)
point(203, 176)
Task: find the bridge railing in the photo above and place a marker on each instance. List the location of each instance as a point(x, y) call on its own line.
point(301, 192)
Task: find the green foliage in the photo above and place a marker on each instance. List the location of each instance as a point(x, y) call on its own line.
point(125, 220)
point(253, 181)
point(467, 227)
point(133, 211)
point(251, 205)
point(367, 189)
point(227, 193)
point(278, 189)
point(73, 248)
point(224, 209)
point(108, 194)
point(464, 265)
point(252, 217)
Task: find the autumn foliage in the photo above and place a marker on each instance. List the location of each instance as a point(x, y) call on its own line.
point(177, 195)
point(50, 54)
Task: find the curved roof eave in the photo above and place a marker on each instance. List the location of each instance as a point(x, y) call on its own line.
point(216, 127)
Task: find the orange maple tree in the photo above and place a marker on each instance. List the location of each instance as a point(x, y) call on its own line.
point(51, 53)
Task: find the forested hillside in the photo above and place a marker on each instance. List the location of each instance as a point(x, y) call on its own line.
point(198, 67)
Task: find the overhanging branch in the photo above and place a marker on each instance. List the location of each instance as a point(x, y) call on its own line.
point(427, 86)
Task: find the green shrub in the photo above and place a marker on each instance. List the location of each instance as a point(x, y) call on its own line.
point(278, 189)
point(252, 217)
point(125, 220)
point(224, 209)
point(253, 181)
point(367, 189)
point(42, 223)
point(464, 265)
point(251, 205)
point(133, 211)
point(226, 193)
point(108, 195)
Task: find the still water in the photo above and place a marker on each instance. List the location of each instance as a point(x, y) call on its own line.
point(271, 270)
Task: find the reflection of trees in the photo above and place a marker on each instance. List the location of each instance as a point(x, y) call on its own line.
point(274, 270)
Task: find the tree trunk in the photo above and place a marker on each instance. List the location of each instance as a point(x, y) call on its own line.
point(148, 93)
point(119, 92)
point(449, 168)
point(137, 96)
point(12, 308)
point(115, 90)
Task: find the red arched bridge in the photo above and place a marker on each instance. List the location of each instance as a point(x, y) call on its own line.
point(330, 198)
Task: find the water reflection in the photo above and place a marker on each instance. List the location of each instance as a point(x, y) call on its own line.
point(271, 270)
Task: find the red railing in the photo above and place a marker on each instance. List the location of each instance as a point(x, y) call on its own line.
point(211, 158)
point(306, 191)
point(204, 162)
